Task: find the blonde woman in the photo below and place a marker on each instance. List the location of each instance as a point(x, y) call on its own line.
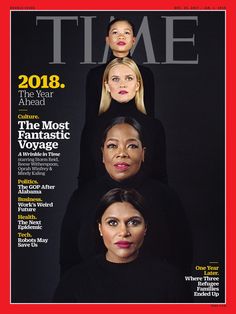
point(122, 81)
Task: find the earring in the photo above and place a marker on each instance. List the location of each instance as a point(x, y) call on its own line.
point(100, 234)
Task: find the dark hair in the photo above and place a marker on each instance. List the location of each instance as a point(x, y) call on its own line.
point(124, 120)
point(120, 20)
point(119, 195)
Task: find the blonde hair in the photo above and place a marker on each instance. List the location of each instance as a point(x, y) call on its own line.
point(106, 97)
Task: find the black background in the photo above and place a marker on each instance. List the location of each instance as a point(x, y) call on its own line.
point(190, 102)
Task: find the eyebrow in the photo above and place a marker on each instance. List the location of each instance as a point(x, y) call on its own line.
point(128, 140)
point(132, 217)
point(125, 75)
point(110, 217)
point(125, 29)
point(140, 217)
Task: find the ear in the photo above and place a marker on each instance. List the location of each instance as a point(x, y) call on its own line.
point(143, 154)
point(145, 230)
point(100, 228)
point(137, 86)
point(107, 87)
point(107, 40)
point(134, 40)
point(102, 154)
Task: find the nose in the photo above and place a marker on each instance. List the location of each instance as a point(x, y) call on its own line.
point(124, 231)
point(122, 152)
point(122, 83)
point(121, 35)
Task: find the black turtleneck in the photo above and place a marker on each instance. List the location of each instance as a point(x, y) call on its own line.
point(143, 280)
point(123, 109)
point(91, 164)
point(168, 235)
point(94, 88)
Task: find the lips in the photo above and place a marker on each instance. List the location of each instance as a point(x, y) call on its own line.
point(123, 92)
point(121, 166)
point(121, 43)
point(123, 244)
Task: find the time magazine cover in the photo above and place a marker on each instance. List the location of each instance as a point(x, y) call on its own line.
point(118, 156)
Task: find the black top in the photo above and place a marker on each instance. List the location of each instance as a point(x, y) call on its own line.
point(94, 89)
point(91, 165)
point(168, 236)
point(140, 281)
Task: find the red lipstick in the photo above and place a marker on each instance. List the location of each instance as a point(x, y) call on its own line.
point(123, 92)
point(123, 244)
point(121, 43)
point(121, 166)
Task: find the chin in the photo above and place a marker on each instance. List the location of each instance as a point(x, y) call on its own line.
point(121, 100)
point(120, 97)
point(122, 178)
point(119, 179)
point(128, 257)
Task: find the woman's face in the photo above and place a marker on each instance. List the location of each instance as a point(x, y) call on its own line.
point(122, 83)
point(120, 38)
point(123, 152)
point(123, 229)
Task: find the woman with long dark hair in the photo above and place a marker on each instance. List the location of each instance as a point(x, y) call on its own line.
point(120, 274)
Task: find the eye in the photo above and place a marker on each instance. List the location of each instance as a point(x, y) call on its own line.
point(111, 146)
point(115, 79)
point(127, 33)
point(133, 146)
point(129, 78)
point(112, 222)
point(114, 32)
point(134, 222)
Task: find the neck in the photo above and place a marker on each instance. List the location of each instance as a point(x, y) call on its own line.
point(121, 260)
point(134, 181)
point(131, 101)
point(119, 54)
